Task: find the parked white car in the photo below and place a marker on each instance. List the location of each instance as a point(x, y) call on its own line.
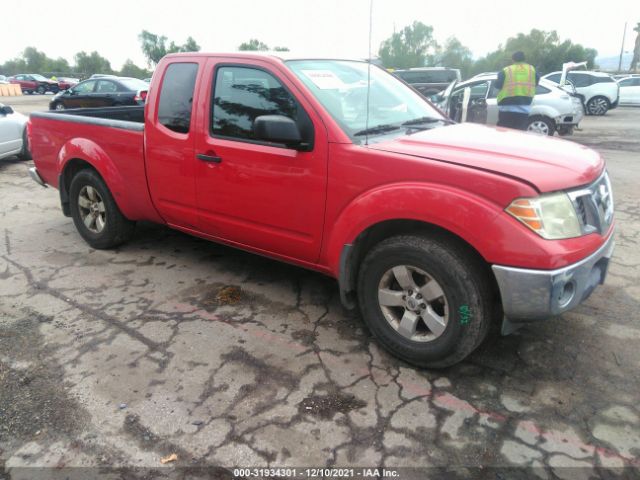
point(552, 110)
point(630, 90)
point(598, 90)
point(13, 134)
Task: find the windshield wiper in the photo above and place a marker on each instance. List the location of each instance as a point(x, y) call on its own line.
point(377, 129)
point(423, 120)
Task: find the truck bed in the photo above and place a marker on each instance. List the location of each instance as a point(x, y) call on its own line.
point(111, 139)
point(128, 118)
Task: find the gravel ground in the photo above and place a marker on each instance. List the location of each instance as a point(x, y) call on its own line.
point(112, 360)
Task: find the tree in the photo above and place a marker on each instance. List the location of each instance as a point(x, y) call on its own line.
point(35, 60)
point(413, 46)
point(542, 49)
point(91, 63)
point(59, 65)
point(455, 55)
point(253, 45)
point(130, 69)
point(636, 50)
point(154, 47)
point(13, 67)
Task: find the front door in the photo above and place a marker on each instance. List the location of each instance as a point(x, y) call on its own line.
point(78, 96)
point(256, 194)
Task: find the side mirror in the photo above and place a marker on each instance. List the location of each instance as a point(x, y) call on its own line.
point(6, 110)
point(278, 129)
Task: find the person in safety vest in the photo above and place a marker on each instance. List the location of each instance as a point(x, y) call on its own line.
point(517, 84)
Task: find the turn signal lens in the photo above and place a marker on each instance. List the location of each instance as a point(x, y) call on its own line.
point(550, 216)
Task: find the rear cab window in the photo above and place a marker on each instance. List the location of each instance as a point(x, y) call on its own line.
point(176, 97)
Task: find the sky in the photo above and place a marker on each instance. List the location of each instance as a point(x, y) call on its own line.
point(337, 28)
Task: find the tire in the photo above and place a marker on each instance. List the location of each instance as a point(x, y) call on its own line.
point(541, 125)
point(461, 299)
point(58, 106)
point(113, 229)
point(25, 154)
point(41, 90)
point(598, 106)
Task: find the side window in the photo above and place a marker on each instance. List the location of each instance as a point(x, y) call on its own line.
point(176, 96)
point(84, 87)
point(479, 90)
point(241, 94)
point(627, 82)
point(636, 82)
point(493, 92)
point(554, 77)
point(540, 90)
point(105, 86)
point(579, 80)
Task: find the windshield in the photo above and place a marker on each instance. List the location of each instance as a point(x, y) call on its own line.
point(341, 87)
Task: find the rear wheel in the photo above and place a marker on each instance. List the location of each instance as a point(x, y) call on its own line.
point(25, 154)
point(598, 106)
point(541, 125)
point(426, 299)
point(59, 106)
point(95, 213)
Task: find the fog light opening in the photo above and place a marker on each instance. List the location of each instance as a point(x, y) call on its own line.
point(567, 294)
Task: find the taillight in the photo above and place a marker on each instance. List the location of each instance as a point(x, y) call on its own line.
point(141, 96)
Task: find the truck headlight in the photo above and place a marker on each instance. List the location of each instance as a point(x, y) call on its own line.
point(550, 216)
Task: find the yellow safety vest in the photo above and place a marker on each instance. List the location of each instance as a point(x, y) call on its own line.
point(519, 81)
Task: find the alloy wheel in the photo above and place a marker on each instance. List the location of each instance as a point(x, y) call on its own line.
point(538, 126)
point(413, 303)
point(598, 106)
point(92, 209)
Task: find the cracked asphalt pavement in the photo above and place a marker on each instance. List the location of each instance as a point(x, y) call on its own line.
point(171, 344)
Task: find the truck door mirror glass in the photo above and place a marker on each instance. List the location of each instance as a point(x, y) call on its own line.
point(277, 128)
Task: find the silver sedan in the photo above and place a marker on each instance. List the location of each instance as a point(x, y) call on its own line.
point(13, 134)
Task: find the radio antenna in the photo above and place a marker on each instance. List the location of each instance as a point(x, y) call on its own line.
point(366, 125)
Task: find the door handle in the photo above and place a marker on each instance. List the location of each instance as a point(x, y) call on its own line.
point(208, 158)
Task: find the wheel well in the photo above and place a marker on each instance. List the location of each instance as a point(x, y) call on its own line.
point(70, 170)
point(354, 253)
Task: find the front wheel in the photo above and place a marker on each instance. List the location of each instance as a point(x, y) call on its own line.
point(598, 106)
point(59, 106)
point(41, 90)
point(426, 299)
point(95, 213)
point(541, 125)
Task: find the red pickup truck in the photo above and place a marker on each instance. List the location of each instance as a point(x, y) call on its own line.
point(433, 229)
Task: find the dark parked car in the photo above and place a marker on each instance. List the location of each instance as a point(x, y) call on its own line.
point(34, 83)
point(429, 80)
point(102, 92)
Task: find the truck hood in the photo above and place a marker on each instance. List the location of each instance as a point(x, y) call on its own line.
point(546, 163)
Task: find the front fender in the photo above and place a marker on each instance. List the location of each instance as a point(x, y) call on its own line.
point(462, 213)
point(545, 111)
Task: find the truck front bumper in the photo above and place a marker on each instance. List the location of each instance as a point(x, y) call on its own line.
point(538, 294)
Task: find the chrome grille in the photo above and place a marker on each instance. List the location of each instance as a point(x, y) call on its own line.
point(594, 205)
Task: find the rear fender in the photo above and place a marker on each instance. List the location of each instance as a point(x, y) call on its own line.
point(90, 152)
